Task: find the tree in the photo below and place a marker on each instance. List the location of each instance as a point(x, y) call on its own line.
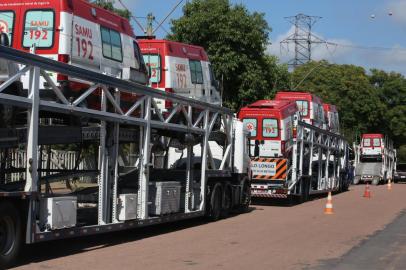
point(125, 13)
point(391, 88)
point(347, 86)
point(235, 40)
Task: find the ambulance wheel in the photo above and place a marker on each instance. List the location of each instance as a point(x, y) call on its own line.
point(214, 211)
point(10, 234)
point(375, 181)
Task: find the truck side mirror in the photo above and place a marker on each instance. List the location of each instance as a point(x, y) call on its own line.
point(4, 41)
point(256, 148)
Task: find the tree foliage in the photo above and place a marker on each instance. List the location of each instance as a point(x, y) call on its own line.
point(236, 41)
point(373, 101)
point(125, 13)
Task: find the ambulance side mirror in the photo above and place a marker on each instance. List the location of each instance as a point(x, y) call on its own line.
point(4, 41)
point(215, 84)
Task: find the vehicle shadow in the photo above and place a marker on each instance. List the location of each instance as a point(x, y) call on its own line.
point(289, 202)
point(60, 248)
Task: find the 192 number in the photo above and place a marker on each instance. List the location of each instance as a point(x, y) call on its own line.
point(181, 80)
point(85, 48)
point(39, 34)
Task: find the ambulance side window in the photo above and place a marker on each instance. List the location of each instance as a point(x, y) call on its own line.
point(153, 61)
point(137, 54)
point(39, 29)
point(196, 71)
point(111, 44)
point(139, 58)
point(251, 124)
point(270, 128)
point(7, 24)
point(303, 107)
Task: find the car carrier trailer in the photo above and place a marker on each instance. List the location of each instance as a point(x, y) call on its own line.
point(316, 162)
point(375, 159)
point(130, 184)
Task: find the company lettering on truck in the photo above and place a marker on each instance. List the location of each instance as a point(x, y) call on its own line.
point(263, 168)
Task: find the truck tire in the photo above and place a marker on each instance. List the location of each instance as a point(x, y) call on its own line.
point(357, 179)
point(10, 234)
point(304, 190)
point(375, 181)
point(214, 212)
point(227, 200)
point(245, 196)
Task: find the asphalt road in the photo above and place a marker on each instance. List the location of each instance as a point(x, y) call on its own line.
point(384, 250)
point(271, 236)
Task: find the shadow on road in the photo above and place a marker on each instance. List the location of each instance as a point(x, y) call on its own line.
point(285, 202)
point(60, 248)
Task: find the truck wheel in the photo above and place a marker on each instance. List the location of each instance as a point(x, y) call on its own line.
point(10, 234)
point(304, 190)
point(228, 201)
point(214, 212)
point(246, 197)
point(375, 181)
point(356, 180)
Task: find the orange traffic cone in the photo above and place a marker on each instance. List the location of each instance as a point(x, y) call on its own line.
point(328, 210)
point(389, 184)
point(367, 192)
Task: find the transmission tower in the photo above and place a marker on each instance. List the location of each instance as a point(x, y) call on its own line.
point(302, 38)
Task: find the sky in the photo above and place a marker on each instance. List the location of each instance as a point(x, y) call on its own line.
point(374, 29)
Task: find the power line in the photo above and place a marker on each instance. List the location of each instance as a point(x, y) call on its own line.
point(354, 46)
point(133, 17)
point(167, 16)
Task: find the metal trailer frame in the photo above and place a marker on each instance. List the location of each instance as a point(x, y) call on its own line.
point(387, 164)
point(109, 136)
point(312, 148)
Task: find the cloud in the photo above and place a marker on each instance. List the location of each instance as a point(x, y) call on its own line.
point(345, 52)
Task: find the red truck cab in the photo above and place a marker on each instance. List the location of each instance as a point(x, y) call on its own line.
point(271, 125)
point(310, 106)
